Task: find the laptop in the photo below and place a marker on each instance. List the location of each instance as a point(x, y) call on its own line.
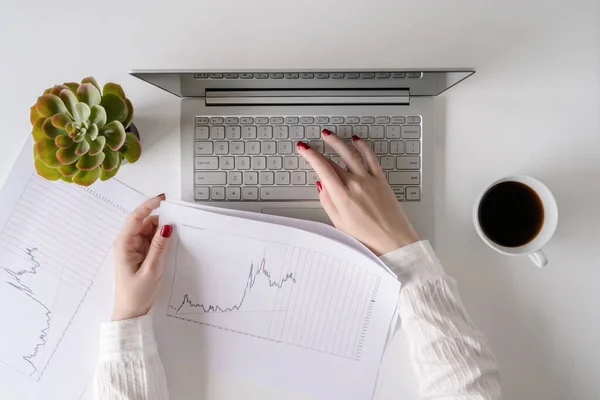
point(239, 130)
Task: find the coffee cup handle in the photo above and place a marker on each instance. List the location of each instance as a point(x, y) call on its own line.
point(539, 258)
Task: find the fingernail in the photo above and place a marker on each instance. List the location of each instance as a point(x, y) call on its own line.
point(303, 145)
point(166, 231)
point(161, 195)
point(355, 138)
point(319, 186)
point(326, 132)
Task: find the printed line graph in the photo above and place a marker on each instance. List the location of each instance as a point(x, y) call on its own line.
point(19, 285)
point(51, 248)
point(252, 277)
point(271, 291)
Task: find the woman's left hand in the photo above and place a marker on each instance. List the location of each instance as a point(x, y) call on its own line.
point(139, 253)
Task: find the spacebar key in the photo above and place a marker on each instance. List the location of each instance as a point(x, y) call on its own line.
point(289, 193)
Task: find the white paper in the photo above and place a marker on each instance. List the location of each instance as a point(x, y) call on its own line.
point(309, 226)
point(270, 303)
point(55, 281)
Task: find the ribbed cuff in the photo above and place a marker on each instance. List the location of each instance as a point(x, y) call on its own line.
point(416, 262)
point(127, 336)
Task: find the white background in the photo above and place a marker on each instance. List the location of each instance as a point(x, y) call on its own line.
point(533, 107)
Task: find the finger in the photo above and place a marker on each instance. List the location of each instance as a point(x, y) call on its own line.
point(348, 154)
point(158, 248)
point(149, 226)
point(328, 205)
point(134, 223)
point(368, 156)
point(322, 167)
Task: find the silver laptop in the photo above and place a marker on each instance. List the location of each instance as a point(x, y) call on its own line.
point(239, 129)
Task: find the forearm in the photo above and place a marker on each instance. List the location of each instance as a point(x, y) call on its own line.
point(130, 367)
point(451, 357)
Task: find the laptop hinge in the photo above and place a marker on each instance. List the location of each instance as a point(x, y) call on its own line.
point(307, 97)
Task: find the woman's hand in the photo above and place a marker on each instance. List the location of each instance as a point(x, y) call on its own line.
point(359, 200)
point(139, 253)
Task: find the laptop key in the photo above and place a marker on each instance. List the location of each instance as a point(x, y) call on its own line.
point(362, 131)
point(345, 131)
point(392, 132)
point(266, 178)
point(280, 132)
point(227, 163)
point(202, 192)
point(201, 132)
point(413, 193)
point(234, 178)
point(276, 120)
point(203, 148)
point(237, 148)
point(311, 177)
point(269, 148)
point(285, 147)
point(249, 193)
point(201, 120)
point(233, 193)
point(382, 120)
point(217, 193)
point(282, 178)
point(242, 163)
point(404, 178)
point(322, 120)
point(413, 120)
point(367, 120)
point(259, 163)
point(211, 178)
point(217, 132)
point(297, 132)
point(289, 193)
point(249, 132)
point(246, 120)
point(290, 162)
point(336, 120)
point(250, 178)
point(376, 132)
point(408, 162)
point(232, 132)
point(313, 132)
point(207, 163)
point(265, 132)
point(396, 147)
point(298, 178)
point(253, 148)
point(275, 162)
point(262, 120)
point(388, 162)
point(221, 148)
point(398, 120)
point(411, 132)
point(216, 120)
point(352, 120)
point(412, 146)
point(291, 120)
point(231, 120)
point(307, 120)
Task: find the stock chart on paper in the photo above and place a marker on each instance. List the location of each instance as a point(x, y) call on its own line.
point(51, 248)
point(271, 291)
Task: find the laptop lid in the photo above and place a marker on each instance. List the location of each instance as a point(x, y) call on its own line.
point(196, 83)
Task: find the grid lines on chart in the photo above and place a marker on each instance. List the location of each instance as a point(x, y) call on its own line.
point(325, 309)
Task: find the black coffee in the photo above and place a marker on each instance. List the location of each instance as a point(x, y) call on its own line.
point(511, 214)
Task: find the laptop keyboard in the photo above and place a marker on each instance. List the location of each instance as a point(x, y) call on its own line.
point(255, 158)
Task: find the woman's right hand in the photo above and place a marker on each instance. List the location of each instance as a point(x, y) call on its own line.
point(358, 200)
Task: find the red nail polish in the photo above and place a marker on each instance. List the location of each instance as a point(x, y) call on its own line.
point(319, 186)
point(303, 145)
point(326, 132)
point(161, 195)
point(355, 138)
point(166, 231)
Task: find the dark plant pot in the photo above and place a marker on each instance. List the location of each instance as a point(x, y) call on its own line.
point(133, 129)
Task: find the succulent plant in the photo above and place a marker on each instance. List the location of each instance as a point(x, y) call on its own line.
point(80, 132)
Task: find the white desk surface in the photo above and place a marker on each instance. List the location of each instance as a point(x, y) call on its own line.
point(533, 108)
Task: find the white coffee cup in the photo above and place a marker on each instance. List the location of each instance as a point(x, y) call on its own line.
point(534, 247)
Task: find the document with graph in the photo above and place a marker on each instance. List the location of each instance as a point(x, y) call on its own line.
point(272, 304)
point(55, 283)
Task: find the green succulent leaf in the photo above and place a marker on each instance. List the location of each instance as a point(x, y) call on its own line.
point(33, 115)
point(36, 130)
point(45, 150)
point(97, 145)
point(107, 174)
point(57, 89)
point(60, 120)
point(132, 149)
point(47, 91)
point(48, 104)
point(82, 148)
point(63, 142)
point(68, 170)
point(50, 130)
point(113, 88)
point(69, 127)
point(72, 86)
point(46, 172)
point(111, 160)
point(92, 132)
point(66, 156)
point(66, 179)
point(92, 80)
point(70, 100)
point(129, 118)
point(86, 178)
point(82, 112)
point(115, 134)
point(88, 94)
point(89, 162)
point(115, 107)
point(98, 116)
